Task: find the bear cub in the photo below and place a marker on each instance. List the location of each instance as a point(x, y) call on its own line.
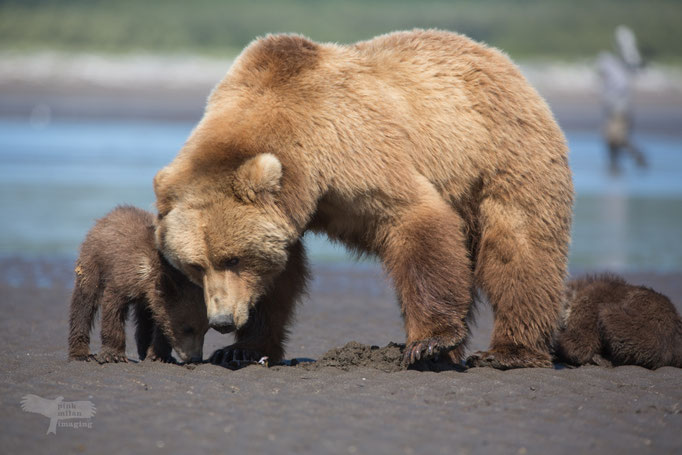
point(610, 322)
point(119, 265)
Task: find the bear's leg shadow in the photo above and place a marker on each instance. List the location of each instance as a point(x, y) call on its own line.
point(424, 253)
point(265, 332)
point(114, 314)
point(520, 267)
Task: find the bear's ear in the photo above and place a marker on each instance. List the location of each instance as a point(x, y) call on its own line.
point(164, 197)
point(258, 175)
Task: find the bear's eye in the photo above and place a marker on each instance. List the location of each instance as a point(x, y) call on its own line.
point(187, 330)
point(228, 263)
point(198, 268)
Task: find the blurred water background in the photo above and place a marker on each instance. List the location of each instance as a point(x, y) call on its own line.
point(96, 97)
point(56, 179)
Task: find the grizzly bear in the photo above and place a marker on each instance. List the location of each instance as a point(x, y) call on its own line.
point(423, 148)
point(119, 265)
point(610, 322)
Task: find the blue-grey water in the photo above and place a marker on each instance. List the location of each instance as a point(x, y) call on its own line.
point(56, 179)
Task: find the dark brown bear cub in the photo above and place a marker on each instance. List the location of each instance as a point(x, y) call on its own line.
point(610, 322)
point(120, 266)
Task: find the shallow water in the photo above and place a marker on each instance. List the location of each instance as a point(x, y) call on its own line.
point(56, 179)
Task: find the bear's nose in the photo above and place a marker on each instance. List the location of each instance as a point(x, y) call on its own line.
point(223, 323)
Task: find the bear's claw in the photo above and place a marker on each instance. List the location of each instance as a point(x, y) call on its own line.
point(233, 356)
point(108, 357)
point(84, 357)
point(413, 351)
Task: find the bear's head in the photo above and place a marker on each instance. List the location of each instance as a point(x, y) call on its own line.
point(182, 314)
point(225, 231)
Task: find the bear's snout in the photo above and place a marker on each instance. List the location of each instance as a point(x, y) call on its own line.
point(223, 323)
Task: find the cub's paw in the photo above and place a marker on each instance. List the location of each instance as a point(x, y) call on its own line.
point(83, 357)
point(601, 361)
point(161, 358)
point(110, 357)
point(432, 350)
point(508, 357)
point(235, 356)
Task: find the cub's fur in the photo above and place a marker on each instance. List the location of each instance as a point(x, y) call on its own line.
point(611, 322)
point(119, 266)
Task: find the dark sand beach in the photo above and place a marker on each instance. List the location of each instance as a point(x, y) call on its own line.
point(347, 408)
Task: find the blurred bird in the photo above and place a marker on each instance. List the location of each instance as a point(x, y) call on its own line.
point(617, 73)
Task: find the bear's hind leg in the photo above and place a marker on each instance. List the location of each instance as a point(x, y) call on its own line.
point(114, 313)
point(640, 329)
point(425, 255)
point(84, 303)
point(520, 267)
point(266, 330)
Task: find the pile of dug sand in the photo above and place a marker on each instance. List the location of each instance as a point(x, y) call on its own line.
point(352, 356)
point(388, 359)
point(356, 355)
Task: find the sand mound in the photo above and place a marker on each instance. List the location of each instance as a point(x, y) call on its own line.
point(356, 355)
point(388, 359)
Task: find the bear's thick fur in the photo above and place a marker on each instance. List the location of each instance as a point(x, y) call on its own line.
point(424, 148)
point(610, 322)
point(119, 266)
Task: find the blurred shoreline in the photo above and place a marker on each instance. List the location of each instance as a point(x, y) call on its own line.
point(175, 87)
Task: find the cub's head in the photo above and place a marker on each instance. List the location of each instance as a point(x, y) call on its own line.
point(229, 237)
point(182, 316)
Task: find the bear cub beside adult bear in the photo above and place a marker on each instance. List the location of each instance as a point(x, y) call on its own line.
point(610, 322)
point(119, 266)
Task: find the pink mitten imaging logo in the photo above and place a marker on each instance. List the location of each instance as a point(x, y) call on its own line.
point(58, 410)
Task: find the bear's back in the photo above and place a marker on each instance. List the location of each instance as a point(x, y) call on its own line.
point(120, 247)
point(427, 93)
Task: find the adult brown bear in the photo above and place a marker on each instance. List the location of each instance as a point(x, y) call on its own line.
point(423, 148)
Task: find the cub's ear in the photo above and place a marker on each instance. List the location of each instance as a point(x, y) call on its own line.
point(257, 176)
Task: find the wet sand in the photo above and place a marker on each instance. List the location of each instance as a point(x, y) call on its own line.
point(352, 401)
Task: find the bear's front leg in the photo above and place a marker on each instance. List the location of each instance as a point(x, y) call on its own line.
point(144, 328)
point(425, 255)
point(265, 332)
point(160, 349)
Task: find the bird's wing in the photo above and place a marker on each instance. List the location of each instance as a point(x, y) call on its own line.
point(34, 403)
point(85, 408)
